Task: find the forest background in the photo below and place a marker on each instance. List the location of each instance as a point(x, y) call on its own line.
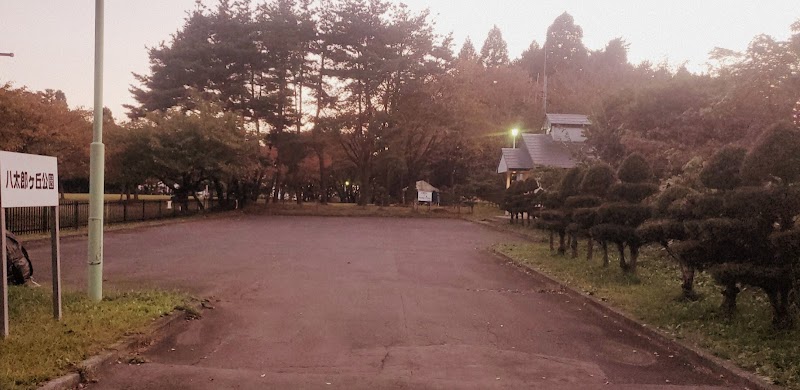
point(356, 100)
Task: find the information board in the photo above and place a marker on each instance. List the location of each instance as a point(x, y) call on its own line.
point(28, 180)
point(425, 196)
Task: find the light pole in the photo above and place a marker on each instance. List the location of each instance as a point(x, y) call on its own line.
point(514, 133)
point(97, 166)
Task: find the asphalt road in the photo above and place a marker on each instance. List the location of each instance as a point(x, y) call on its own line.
point(365, 303)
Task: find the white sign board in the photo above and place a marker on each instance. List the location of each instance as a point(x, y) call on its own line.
point(28, 180)
point(424, 196)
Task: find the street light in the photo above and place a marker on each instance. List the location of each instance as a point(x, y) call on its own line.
point(97, 165)
point(514, 133)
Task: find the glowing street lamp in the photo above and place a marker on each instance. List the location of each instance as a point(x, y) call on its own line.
point(514, 133)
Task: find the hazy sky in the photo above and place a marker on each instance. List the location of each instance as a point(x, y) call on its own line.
point(53, 39)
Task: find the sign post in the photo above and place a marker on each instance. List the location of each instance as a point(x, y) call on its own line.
point(28, 180)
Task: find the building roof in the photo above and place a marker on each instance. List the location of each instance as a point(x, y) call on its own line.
point(514, 160)
point(543, 151)
point(423, 185)
point(568, 119)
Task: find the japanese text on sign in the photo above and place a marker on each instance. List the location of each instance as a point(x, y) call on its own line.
point(28, 180)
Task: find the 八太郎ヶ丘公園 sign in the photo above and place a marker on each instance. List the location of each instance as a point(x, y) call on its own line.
point(28, 180)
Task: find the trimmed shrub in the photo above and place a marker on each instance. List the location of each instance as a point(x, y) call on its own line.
point(776, 155)
point(635, 169)
point(627, 214)
point(669, 196)
point(722, 172)
point(597, 180)
point(582, 201)
point(631, 192)
point(570, 184)
point(661, 231)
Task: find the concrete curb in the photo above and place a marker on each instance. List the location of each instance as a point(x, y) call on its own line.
point(87, 369)
point(699, 357)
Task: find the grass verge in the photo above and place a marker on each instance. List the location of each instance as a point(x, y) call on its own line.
point(114, 197)
point(352, 210)
point(39, 348)
point(653, 297)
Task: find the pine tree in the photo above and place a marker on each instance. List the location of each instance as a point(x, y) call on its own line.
point(494, 52)
point(564, 45)
point(468, 53)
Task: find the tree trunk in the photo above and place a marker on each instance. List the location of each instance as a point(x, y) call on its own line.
point(605, 253)
point(323, 176)
point(781, 315)
point(589, 249)
point(552, 239)
point(729, 299)
point(200, 205)
point(562, 245)
point(275, 182)
point(574, 245)
point(221, 200)
point(634, 258)
point(687, 284)
point(364, 192)
point(622, 263)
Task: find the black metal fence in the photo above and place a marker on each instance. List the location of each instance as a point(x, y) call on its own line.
point(75, 214)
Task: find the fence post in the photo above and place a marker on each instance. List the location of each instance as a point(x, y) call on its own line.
point(144, 215)
point(124, 211)
point(45, 224)
point(76, 212)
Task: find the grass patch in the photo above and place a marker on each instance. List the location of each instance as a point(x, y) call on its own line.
point(353, 210)
point(483, 212)
point(653, 297)
point(114, 197)
point(40, 348)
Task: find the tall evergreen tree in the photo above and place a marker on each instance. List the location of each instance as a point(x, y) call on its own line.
point(494, 52)
point(564, 46)
point(468, 52)
point(212, 53)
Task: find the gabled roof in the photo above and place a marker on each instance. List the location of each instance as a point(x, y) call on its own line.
point(423, 185)
point(514, 160)
point(544, 151)
point(568, 119)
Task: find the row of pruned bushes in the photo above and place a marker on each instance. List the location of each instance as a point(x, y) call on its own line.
point(739, 224)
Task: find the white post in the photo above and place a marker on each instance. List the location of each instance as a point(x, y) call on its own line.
point(55, 251)
point(4, 274)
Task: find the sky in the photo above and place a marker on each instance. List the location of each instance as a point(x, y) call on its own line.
point(53, 40)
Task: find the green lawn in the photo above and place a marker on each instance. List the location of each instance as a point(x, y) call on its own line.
point(112, 197)
point(653, 297)
point(40, 348)
point(353, 210)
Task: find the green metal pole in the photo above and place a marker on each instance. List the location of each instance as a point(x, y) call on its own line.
point(97, 166)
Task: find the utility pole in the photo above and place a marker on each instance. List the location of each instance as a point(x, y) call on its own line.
point(545, 77)
point(97, 166)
